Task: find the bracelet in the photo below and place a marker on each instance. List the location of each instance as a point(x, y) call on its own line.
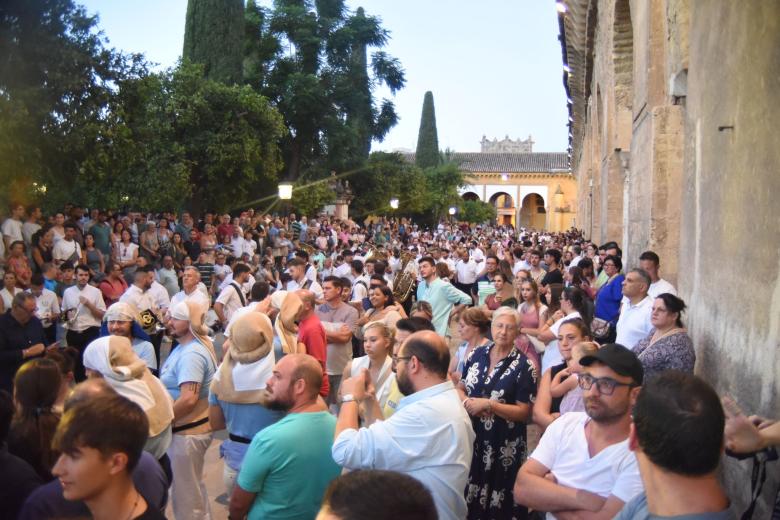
point(464, 401)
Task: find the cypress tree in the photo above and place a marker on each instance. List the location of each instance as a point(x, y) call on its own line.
point(427, 138)
point(213, 36)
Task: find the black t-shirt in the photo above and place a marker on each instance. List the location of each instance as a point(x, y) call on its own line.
point(17, 480)
point(15, 337)
point(150, 514)
point(554, 276)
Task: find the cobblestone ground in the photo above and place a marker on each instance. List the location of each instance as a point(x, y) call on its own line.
point(213, 465)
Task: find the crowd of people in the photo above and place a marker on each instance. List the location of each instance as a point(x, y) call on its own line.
point(377, 369)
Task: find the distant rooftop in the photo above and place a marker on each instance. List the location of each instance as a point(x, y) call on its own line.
point(535, 162)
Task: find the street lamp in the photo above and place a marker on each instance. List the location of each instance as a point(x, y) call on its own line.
point(394, 203)
point(285, 190)
point(452, 210)
point(504, 177)
point(560, 7)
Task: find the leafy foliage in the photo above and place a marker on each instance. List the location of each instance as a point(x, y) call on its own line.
point(311, 59)
point(427, 155)
point(388, 175)
point(213, 37)
point(442, 184)
point(476, 212)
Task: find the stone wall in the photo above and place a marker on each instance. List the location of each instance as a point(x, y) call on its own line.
point(730, 228)
point(678, 146)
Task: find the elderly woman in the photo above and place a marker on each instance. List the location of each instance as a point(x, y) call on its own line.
point(668, 346)
point(113, 359)
point(497, 389)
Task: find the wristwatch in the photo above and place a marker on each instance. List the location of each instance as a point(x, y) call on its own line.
point(348, 398)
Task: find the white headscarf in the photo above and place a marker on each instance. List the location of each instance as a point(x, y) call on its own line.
point(113, 357)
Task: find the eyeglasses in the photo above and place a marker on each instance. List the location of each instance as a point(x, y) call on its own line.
point(605, 385)
point(396, 359)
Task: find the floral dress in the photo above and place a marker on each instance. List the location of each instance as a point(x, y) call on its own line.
point(500, 445)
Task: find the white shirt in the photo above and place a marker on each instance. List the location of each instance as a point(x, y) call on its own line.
point(634, 323)
point(46, 306)
point(126, 252)
point(7, 297)
point(519, 266)
point(159, 295)
point(343, 271)
point(314, 287)
point(360, 290)
point(80, 317)
point(238, 245)
point(552, 356)
point(12, 229)
point(311, 273)
point(221, 271)
point(141, 300)
point(563, 449)
point(661, 287)
point(197, 296)
point(28, 230)
point(231, 300)
point(246, 287)
point(467, 271)
point(63, 250)
point(429, 438)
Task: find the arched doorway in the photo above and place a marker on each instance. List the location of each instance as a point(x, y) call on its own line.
point(532, 212)
point(470, 195)
point(505, 208)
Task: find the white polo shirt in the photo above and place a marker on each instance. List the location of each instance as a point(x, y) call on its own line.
point(634, 323)
point(563, 449)
point(661, 287)
point(79, 316)
point(467, 271)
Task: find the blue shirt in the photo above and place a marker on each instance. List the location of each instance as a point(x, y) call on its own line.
point(145, 351)
point(189, 363)
point(442, 296)
point(289, 465)
point(609, 298)
point(244, 420)
point(636, 509)
point(429, 437)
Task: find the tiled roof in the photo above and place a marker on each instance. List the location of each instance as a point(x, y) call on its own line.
point(535, 162)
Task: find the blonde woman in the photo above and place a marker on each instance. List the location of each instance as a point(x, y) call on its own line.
point(378, 341)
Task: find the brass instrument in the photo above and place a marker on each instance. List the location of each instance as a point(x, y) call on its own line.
point(310, 249)
point(404, 281)
point(374, 253)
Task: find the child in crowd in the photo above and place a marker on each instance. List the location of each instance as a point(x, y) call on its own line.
point(564, 384)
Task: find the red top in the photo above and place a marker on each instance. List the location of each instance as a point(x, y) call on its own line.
point(224, 230)
point(312, 334)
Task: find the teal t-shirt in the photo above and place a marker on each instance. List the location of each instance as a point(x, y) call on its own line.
point(289, 465)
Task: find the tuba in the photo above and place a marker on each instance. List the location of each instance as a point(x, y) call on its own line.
point(374, 253)
point(404, 281)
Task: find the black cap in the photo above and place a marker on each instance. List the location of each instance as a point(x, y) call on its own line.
point(618, 358)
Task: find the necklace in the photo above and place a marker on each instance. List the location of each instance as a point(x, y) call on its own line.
point(662, 336)
point(135, 504)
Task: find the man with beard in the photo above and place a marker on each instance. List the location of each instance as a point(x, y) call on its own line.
point(288, 465)
point(429, 437)
point(583, 467)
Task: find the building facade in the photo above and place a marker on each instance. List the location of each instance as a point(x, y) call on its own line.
point(672, 106)
point(528, 189)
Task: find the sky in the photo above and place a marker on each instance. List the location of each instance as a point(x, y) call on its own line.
point(494, 66)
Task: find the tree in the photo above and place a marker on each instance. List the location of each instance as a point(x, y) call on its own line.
point(427, 155)
point(388, 175)
point(442, 184)
point(322, 81)
point(57, 83)
point(213, 36)
point(476, 212)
